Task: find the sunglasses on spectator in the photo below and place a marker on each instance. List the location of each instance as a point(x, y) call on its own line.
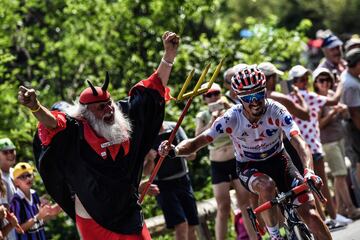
point(301, 79)
point(210, 94)
point(322, 80)
point(26, 176)
point(11, 151)
point(253, 97)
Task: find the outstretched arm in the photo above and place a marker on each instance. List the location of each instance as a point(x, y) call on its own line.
point(303, 151)
point(27, 97)
point(333, 100)
point(192, 145)
point(171, 43)
point(300, 110)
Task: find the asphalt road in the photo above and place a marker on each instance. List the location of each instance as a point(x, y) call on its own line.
point(351, 232)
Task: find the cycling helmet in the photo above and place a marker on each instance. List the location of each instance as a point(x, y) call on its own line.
point(248, 80)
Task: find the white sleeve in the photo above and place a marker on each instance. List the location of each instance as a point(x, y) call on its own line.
point(225, 124)
point(286, 122)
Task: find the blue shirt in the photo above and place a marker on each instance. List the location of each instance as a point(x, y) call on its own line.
point(25, 209)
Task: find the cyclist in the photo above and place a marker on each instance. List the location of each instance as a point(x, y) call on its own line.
point(255, 127)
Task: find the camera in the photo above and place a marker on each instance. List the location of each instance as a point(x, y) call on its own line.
point(286, 86)
point(216, 106)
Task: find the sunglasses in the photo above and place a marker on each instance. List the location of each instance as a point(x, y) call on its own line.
point(322, 80)
point(301, 79)
point(253, 97)
point(11, 151)
point(26, 176)
point(211, 94)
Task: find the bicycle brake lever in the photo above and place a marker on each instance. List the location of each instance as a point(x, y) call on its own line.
point(317, 191)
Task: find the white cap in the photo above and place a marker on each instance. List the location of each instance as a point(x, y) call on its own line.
point(269, 69)
point(214, 87)
point(321, 70)
point(298, 71)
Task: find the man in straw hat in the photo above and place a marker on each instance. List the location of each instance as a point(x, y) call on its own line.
point(95, 151)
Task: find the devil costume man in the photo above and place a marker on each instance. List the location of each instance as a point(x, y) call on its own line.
point(103, 176)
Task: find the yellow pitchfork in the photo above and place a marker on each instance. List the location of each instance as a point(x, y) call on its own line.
point(182, 95)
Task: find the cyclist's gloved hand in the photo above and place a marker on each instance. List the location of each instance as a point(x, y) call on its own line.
point(309, 174)
point(166, 150)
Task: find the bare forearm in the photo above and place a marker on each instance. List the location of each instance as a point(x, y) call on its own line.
point(44, 116)
point(303, 151)
point(191, 145)
point(164, 68)
point(336, 97)
point(302, 109)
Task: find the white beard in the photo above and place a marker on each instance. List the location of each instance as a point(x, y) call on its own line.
point(117, 132)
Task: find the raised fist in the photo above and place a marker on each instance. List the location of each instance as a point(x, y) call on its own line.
point(27, 97)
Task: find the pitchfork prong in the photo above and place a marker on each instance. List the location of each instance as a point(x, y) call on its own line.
point(186, 84)
point(197, 90)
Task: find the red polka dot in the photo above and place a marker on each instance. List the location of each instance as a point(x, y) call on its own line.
point(319, 101)
point(277, 122)
point(313, 114)
point(305, 126)
point(209, 139)
point(311, 97)
point(312, 103)
point(270, 121)
point(298, 122)
point(229, 130)
point(310, 130)
point(296, 101)
point(306, 136)
point(312, 140)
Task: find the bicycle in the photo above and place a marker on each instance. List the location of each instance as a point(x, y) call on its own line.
point(294, 227)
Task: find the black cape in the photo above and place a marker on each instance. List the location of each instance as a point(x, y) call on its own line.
point(108, 189)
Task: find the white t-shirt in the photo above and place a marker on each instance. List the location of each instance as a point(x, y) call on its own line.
point(257, 141)
point(310, 130)
point(351, 90)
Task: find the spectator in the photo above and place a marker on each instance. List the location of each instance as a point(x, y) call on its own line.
point(352, 43)
point(8, 220)
point(223, 164)
point(106, 143)
point(332, 136)
point(311, 132)
point(7, 161)
point(331, 47)
point(176, 197)
point(27, 206)
point(351, 97)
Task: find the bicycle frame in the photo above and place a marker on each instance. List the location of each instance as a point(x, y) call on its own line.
point(283, 199)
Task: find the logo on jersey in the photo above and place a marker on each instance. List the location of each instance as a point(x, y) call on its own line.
point(288, 119)
point(244, 134)
point(271, 132)
point(227, 119)
point(219, 128)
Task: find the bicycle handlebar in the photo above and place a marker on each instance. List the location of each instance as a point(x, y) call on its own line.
point(309, 184)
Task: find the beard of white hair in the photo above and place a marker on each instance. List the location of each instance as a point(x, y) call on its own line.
point(117, 132)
